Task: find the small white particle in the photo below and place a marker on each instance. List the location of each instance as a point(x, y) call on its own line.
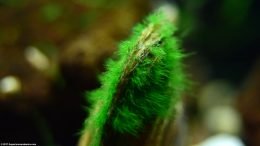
point(10, 84)
point(36, 58)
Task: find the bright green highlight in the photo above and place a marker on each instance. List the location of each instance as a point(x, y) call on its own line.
point(141, 85)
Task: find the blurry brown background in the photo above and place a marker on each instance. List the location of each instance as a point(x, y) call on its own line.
point(51, 52)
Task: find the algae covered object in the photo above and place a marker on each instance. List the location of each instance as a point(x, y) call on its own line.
point(141, 84)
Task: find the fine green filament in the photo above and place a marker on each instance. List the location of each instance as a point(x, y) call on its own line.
point(141, 85)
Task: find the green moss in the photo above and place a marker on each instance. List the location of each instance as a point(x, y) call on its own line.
point(141, 84)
